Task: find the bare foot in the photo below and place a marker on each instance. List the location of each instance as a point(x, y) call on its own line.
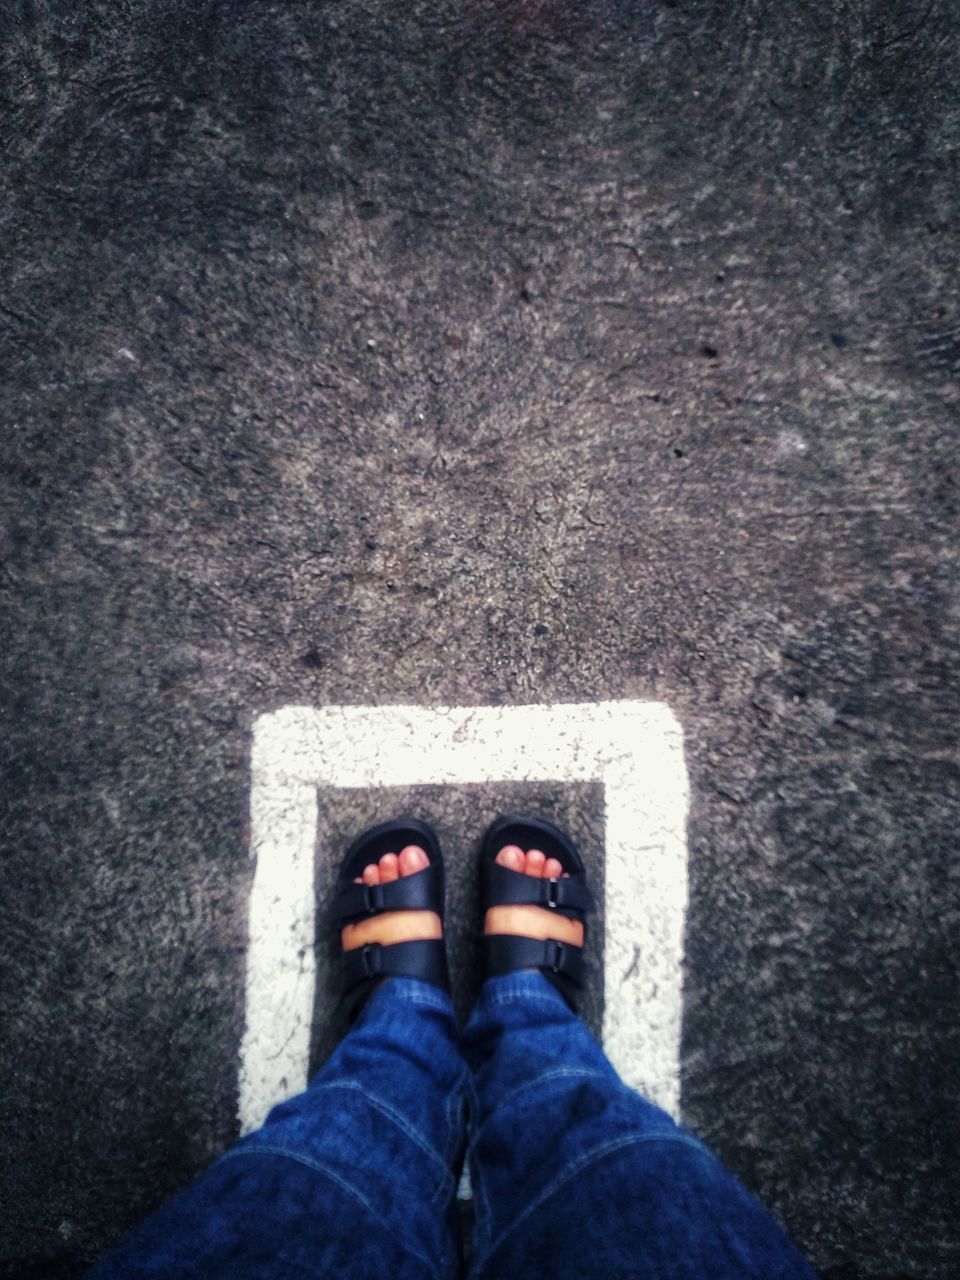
point(532, 922)
point(393, 926)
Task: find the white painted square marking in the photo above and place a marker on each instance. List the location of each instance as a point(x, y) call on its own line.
point(635, 749)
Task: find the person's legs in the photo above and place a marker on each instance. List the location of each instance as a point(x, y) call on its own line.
point(352, 1178)
point(573, 1174)
point(356, 1176)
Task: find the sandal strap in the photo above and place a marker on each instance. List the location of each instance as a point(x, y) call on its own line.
point(502, 887)
point(423, 958)
point(504, 952)
point(423, 891)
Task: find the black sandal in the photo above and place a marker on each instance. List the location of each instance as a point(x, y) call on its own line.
point(559, 962)
point(423, 958)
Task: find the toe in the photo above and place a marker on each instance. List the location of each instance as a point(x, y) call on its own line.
point(536, 860)
point(371, 873)
point(511, 856)
point(412, 859)
point(552, 870)
point(389, 868)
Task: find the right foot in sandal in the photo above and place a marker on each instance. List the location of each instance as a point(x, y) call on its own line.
point(528, 921)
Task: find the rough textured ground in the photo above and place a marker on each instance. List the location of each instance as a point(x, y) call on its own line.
point(484, 351)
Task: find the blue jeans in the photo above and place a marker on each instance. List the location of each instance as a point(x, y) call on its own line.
point(573, 1174)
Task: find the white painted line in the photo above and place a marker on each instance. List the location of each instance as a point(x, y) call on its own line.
point(635, 749)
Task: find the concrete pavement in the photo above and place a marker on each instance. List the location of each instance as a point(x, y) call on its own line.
point(484, 355)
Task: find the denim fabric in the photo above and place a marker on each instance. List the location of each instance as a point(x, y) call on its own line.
point(354, 1178)
point(573, 1174)
point(576, 1176)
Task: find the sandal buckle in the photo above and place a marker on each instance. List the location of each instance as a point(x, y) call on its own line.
point(372, 898)
point(552, 893)
point(557, 961)
point(370, 955)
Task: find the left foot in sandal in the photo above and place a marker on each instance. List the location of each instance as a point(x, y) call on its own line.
point(529, 921)
point(393, 926)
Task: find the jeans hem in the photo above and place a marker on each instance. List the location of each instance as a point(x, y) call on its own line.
point(395, 990)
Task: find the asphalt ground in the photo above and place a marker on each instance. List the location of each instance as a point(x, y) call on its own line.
point(484, 354)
